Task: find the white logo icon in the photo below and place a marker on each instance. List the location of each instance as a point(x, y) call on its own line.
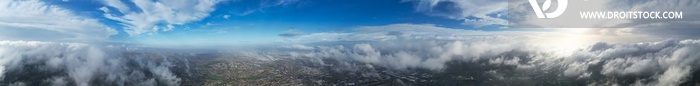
point(538, 11)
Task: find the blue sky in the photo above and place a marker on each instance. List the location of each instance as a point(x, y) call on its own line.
point(262, 20)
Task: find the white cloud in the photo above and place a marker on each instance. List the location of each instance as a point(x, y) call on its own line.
point(161, 14)
point(81, 64)
point(674, 76)
point(226, 16)
point(671, 58)
point(36, 20)
point(117, 4)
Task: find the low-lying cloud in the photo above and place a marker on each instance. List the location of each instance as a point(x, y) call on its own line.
point(77, 64)
point(669, 62)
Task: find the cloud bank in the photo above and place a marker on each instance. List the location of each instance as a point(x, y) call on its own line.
point(670, 62)
point(410, 47)
point(76, 64)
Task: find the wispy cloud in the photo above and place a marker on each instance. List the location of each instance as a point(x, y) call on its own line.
point(263, 5)
point(36, 20)
point(476, 13)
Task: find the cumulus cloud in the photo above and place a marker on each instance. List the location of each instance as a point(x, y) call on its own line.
point(665, 62)
point(52, 63)
point(159, 15)
point(47, 22)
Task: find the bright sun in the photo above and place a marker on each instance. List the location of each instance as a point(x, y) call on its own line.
point(565, 41)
